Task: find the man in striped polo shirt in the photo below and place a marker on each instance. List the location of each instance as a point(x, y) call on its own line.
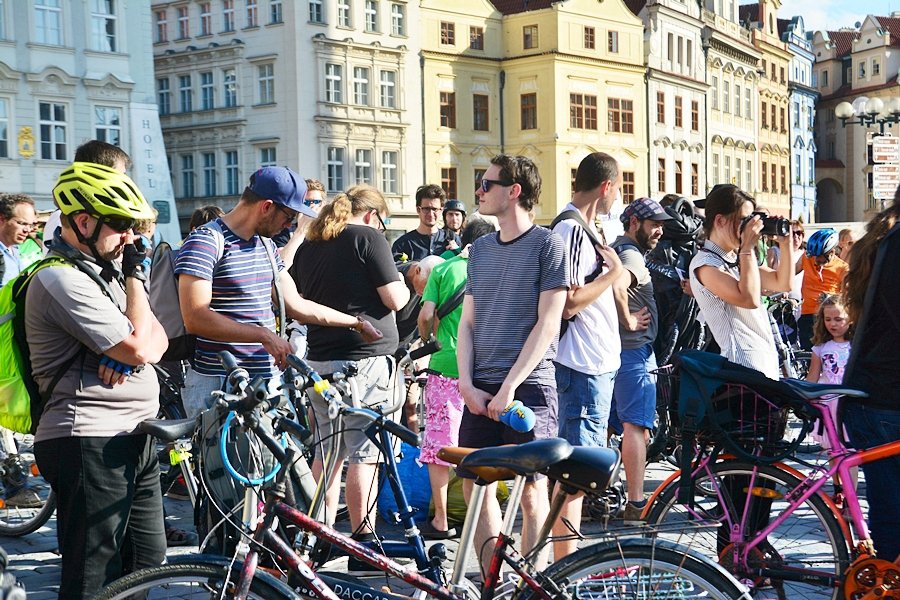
point(515, 292)
point(225, 287)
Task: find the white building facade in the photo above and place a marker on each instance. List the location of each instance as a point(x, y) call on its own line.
point(329, 89)
point(803, 96)
point(72, 72)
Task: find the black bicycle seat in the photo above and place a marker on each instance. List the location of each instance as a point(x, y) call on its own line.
point(167, 430)
point(811, 391)
point(524, 459)
point(588, 470)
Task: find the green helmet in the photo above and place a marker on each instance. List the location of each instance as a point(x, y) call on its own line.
point(99, 191)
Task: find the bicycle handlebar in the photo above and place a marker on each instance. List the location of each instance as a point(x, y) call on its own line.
point(430, 347)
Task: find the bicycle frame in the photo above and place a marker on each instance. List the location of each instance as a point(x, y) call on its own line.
point(842, 460)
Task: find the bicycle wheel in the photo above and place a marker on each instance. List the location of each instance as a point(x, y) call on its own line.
point(193, 578)
point(800, 363)
point(811, 539)
point(19, 520)
point(640, 568)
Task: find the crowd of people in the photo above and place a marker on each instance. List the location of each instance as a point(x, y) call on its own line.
point(557, 318)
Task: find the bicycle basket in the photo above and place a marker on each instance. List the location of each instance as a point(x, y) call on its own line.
point(724, 404)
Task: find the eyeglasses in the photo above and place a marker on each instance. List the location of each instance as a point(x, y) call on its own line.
point(382, 222)
point(290, 213)
point(798, 234)
point(24, 224)
point(119, 224)
point(487, 183)
point(430, 208)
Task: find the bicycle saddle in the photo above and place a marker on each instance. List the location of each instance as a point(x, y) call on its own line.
point(587, 470)
point(524, 459)
point(167, 430)
point(811, 391)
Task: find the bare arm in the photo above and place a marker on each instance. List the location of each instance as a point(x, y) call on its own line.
point(630, 321)
point(394, 295)
point(427, 320)
point(780, 279)
point(577, 298)
point(815, 368)
point(549, 310)
point(289, 250)
point(148, 341)
point(476, 400)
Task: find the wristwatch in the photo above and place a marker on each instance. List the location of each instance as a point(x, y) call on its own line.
point(358, 327)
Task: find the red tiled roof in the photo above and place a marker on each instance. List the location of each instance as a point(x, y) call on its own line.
point(511, 7)
point(843, 41)
point(636, 6)
point(829, 164)
point(892, 25)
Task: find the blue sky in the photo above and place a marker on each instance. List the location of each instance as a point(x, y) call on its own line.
point(834, 14)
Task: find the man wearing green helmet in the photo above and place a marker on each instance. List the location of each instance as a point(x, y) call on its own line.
point(90, 331)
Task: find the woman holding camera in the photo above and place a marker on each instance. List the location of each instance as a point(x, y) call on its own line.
point(727, 281)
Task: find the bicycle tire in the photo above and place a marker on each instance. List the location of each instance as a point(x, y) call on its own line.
point(191, 578)
point(811, 538)
point(16, 521)
point(640, 568)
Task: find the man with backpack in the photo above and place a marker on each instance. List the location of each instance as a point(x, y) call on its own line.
point(588, 354)
point(634, 393)
point(235, 259)
point(90, 333)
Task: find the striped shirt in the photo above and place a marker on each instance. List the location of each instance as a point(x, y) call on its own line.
point(241, 291)
point(505, 280)
point(743, 334)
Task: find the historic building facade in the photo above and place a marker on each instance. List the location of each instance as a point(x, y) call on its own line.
point(802, 114)
point(733, 99)
point(676, 96)
point(330, 89)
point(70, 74)
point(852, 66)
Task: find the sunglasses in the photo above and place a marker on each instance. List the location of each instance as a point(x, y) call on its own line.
point(487, 183)
point(119, 224)
point(288, 212)
point(798, 234)
point(430, 208)
point(312, 202)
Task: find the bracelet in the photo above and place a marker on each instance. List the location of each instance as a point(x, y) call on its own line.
point(745, 253)
point(358, 327)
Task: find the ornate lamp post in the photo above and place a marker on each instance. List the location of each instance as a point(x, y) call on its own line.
point(874, 112)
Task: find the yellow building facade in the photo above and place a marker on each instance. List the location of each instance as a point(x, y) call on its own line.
point(553, 83)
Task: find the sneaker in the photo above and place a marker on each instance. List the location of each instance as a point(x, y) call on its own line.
point(361, 568)
point(25, 498)
point(632, 514)
point(178, 490)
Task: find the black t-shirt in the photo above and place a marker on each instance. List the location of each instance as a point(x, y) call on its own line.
point(344, 273)
point(413, 244)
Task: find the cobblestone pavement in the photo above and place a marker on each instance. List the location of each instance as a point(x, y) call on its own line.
point(35, 561)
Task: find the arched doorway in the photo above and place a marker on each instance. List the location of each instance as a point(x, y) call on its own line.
point(830, 204)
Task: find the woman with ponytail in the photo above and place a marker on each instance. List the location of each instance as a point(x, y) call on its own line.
point(871, 291)
point(346, 262)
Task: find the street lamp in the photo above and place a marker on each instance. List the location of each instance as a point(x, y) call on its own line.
point(874, 111)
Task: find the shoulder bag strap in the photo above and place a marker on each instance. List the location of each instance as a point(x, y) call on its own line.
point(452, 302)
point(576, 216)
point(279, 295)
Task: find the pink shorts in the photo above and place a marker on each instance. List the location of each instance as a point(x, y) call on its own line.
point(443, 413)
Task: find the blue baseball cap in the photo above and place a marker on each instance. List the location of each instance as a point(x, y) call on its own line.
point(644, 208)
point(281, 186)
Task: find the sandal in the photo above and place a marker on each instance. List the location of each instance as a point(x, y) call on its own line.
point(178, 537)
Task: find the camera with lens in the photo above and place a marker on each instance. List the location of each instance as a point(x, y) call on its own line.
point(771, 225)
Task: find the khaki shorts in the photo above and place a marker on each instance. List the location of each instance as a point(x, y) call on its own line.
point(375, 382)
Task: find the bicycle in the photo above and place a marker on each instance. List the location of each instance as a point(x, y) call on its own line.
point(621, 568)
point(18, 466)
point(731, 494)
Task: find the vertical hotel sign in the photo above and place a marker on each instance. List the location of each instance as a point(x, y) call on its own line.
point(151, 169)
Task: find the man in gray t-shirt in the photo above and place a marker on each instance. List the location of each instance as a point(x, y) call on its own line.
point(515, 293)
point(634, 391)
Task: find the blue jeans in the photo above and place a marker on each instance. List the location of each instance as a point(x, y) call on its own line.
point(867, 427)
point(634, 395)
point(584, 402)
